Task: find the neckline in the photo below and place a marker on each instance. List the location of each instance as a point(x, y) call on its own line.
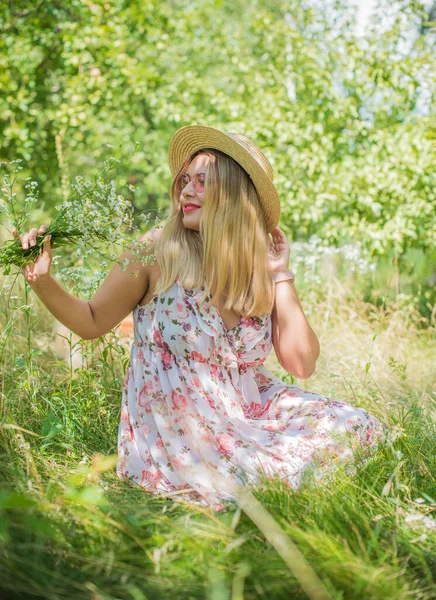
point(201, 289)
point(222, 321)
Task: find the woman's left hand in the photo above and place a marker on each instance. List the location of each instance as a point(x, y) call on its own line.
point(278, 251)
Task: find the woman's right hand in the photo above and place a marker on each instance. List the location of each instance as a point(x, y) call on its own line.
point(36, 271)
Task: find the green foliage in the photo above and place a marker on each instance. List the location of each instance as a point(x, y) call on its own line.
point(367, 529)
point(338, 115)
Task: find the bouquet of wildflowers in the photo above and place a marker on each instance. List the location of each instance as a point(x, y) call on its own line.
point(93, 212)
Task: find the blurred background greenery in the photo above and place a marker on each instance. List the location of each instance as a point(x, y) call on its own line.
point(346, 115)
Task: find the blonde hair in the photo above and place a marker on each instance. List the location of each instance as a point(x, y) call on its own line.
point(229, 252)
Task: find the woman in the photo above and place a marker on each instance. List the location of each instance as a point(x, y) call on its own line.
point(198, 403)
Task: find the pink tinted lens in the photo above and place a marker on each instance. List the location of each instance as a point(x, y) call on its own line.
point(197, 181)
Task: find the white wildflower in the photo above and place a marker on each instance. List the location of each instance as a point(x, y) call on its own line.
point(412, 517)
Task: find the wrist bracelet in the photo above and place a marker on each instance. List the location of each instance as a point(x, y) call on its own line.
point(283, 276)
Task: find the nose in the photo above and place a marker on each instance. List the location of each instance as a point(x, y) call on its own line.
point(188, 191)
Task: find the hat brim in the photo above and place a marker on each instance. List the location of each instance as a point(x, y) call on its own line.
point(190, 138)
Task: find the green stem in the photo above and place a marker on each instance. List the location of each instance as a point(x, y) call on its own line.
point(70, 387)
point(29, 344)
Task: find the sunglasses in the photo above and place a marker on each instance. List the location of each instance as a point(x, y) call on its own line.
point(198, 181)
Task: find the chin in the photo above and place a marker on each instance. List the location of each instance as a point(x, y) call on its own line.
point(195, 225)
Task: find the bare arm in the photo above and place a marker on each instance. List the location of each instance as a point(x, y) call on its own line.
point(295, 343)
point(66, 308)
point(121, 291)
point(275, 334)
point(117, 296)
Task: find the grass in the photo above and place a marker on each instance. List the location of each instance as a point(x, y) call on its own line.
point(70, 528)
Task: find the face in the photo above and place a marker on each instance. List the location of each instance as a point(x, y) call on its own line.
point(193, 191)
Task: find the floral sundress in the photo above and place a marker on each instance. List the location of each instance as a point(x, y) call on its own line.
point(198, 400)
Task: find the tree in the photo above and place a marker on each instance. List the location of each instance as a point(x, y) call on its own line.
point(335, 113)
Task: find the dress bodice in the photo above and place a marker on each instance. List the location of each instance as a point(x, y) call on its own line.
point(178, 326)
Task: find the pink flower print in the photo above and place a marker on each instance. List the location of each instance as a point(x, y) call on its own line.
point(184, 486)
point(194, 355)
point(197, 383)
point(182, 311)
point(187, 326)
point(176, 462)
point(277, 413)
point(130, 434)
point(277, 458)
point(126, 379)
point(160, 443)
point(210, 401)
point(247, 322)
point(122, 463)
point(336, 403)
point(158, 338)
point(214, 370)
point(167, 359)
point(226, 443)
point(179, 401)
point(146, 430)
point(143, 395)
point(151, 479)
point(261, 379)
point(183, 402)
point(207, 437)
point(257, 409)
point(140, 354)
point(124, 412)
point(274, 426)
point(368, 436)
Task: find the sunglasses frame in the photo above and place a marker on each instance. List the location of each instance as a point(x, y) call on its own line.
point(195, 180)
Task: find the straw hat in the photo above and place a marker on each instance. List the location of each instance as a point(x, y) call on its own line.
point(193, 137)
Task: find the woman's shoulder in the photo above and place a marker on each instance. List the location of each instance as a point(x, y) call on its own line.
point(151, 237)
point(147, 243)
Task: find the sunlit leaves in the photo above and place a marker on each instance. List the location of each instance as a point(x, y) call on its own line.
point(337, 115)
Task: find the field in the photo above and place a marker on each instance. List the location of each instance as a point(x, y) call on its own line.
point(71, 528)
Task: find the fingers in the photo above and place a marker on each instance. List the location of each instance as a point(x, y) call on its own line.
point(30, 237)
point(278, 235)
point(46, 245)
